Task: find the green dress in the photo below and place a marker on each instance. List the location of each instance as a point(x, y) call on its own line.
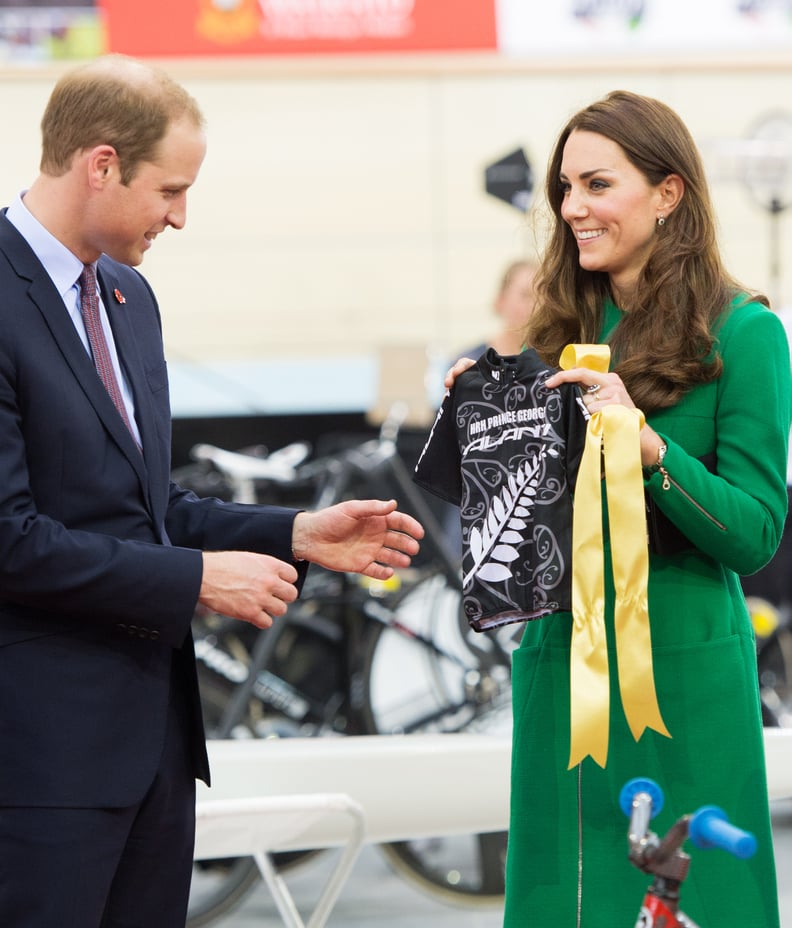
point(567, 863)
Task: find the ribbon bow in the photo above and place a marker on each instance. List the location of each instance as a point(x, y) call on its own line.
point(612, 434)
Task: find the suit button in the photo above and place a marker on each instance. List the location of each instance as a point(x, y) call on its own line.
point(121, 627)
point(143, 633)
point(132, 629)
point(154, 634)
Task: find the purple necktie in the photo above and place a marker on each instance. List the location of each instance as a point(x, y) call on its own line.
point(89, 307)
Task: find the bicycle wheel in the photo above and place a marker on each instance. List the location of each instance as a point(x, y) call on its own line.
point(465, 869)
point(774, 662)
point(223, 651)
point(458, 680)
point(219, 885)
point(452, 685)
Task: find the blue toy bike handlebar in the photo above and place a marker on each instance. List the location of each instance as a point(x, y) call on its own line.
point(709, 827)
point(641, 785)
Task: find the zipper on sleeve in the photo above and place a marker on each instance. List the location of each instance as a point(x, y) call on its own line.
point(668, 482)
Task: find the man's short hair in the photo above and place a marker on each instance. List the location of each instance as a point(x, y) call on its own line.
point(116, 101)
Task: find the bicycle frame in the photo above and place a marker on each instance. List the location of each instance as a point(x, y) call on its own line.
point(354, 609)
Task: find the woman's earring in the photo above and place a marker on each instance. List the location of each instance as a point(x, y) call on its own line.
point(661, 220)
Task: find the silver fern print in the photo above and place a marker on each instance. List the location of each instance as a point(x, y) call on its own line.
point(495, 544)
point(516, 506)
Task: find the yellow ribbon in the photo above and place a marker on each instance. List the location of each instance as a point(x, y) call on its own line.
point(614, 429)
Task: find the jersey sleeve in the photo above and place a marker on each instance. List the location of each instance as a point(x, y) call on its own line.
point(439, 468)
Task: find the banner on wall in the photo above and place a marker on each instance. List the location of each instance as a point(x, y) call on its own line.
point(33, 32)
point(271, 27)
point(591, 28)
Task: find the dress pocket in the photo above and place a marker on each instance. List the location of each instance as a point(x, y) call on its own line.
point(540, 692)
point(707, 691)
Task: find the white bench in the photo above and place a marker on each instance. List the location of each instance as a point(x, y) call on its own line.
point(409, 786)
point(301, 793)
point(257, 825)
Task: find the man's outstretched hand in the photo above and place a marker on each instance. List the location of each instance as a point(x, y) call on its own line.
point(365, 536)
point(369, 537)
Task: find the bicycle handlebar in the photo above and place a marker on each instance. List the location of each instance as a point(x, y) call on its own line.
point(634, 788)
point(710, 827)
point(331, 477)
point(279, 466)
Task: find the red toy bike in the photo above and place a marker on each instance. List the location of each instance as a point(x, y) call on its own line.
point(664, 859)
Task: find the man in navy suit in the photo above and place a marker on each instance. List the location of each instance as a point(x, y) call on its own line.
point(102, 559)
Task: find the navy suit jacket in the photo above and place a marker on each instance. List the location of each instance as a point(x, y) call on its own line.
point(100, 562)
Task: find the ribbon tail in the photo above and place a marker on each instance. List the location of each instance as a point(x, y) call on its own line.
point(589, 687)
point(627, 517)
point(588, 673)
point(636, 674)
point(590, 694)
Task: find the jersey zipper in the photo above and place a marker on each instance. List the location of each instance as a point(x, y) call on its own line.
point(668, 482)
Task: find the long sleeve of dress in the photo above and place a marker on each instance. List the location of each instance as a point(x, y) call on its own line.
point(736, 514)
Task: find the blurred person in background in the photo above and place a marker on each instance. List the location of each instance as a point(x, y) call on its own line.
point(513, 305)
point(632, 261)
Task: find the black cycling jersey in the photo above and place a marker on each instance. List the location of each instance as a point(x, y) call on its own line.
point(506, 450)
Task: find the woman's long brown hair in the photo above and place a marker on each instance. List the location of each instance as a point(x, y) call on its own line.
point(664, 345)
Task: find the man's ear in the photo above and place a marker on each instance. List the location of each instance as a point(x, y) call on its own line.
point(102, 164)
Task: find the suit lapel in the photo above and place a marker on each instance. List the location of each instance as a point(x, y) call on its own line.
point(122, 322)
point(44, 295)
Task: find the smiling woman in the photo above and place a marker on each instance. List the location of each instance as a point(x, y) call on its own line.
point(613, 209)
point(632, 261)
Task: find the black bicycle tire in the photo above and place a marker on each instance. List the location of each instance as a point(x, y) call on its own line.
point(243, 876)
point(243, 873)
point(409, 865)
point(402, 855)
point(774, 666)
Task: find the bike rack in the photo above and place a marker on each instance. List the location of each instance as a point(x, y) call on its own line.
point(273, 796)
